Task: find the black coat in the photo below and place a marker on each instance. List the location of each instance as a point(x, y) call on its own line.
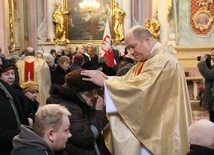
point(81, 142)
point(26, 107)
point(109, 71)
point(8, 119)
point(208, 74)
point(58, 76)
point(200, 150)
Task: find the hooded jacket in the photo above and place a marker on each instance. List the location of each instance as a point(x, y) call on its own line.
point(11, 117)
point(82, 140)
point(29, 143)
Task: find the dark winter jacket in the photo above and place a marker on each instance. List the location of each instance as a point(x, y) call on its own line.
point(109, 71)
point(208, 74)
point(26, 107)
point(81, 142)
point(11, 117)
point(34, 105)
point(200, 150)
point(29, 143)
point(74, 66)
point(58, 76)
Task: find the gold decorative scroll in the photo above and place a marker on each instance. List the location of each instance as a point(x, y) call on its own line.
point(11, 24)
point(168, 7)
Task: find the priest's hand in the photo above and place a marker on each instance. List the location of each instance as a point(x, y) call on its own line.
point(95, 76)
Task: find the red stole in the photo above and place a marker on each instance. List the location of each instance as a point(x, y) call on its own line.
point(29, 71)
point(140, 68)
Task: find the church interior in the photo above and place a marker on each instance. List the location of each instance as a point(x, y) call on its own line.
point(186, 24)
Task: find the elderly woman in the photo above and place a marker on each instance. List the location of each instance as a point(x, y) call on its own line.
point(88, 117)
point(7, 74)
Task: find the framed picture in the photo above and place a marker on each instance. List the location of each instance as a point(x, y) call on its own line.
point(202, 19)
point(86, 27)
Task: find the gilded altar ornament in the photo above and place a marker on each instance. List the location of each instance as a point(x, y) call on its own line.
point(11, 24)
point(59, 22)
point(118, 18)
point(202, 18)
point(153, 26)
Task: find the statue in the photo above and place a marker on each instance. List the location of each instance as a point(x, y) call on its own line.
point(118, 17)
point(59, 21)
point(153, 26)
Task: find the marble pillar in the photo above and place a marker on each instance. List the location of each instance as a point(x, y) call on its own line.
point(3, 29)
point(50, 28)
point(162, 18)
point(146, 11)
point(32, 22)
point(126, 6)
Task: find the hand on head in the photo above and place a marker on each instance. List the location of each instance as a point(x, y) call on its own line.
point(95, 76)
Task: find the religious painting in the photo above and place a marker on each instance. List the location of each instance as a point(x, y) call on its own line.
point(88, 26)
point(202, 16)
point(202, 19)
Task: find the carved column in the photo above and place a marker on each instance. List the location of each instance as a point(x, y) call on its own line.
point(162, 18)
point(32, 22)
point(3, 28)
point(126, 6)
point(50, 29)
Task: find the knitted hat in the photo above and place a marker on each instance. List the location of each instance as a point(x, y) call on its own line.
point(6, 65)
point(78, 58)
point(74, 81)
point(30, 85)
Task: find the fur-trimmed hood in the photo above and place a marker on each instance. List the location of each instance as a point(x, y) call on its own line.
point(59, 94)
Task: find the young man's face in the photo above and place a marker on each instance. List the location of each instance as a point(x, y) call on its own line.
point(61, 135)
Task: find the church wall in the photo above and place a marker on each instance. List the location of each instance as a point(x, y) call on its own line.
point(188, 37)
point(189, 45)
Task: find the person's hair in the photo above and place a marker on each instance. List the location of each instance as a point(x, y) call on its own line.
point(92, 51)
point(76, 48)
point(29, 51)
point(39, 52)
point(90, 44)
point(63, 59)
point(78, 58)
point(201, 133)
point(52, 51)
point(212, 49)
point(139, 32)
point(49, 116)
point(48, 57)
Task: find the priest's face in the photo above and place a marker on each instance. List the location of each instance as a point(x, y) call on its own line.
point(139, 49)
